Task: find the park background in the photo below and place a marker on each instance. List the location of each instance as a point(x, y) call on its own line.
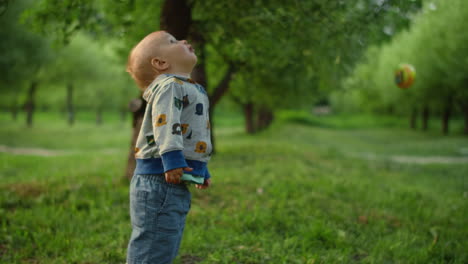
point(319, 156)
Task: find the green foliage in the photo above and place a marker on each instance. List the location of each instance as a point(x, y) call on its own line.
point(22, 52)
point(287, 54)
point(91, 66)
point(95, 72)
point(294, 194)
point(60, 19)
point(90, 49)
point(292, 54)
point(436, 46)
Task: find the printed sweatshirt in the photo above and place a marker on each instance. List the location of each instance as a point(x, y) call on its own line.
point(176, 130)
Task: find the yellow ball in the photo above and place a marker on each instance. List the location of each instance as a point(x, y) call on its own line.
point(404, 75)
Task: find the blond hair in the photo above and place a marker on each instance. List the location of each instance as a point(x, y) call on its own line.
point(139, 61)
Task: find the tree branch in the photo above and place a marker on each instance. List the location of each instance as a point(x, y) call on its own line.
point(223, 85)
point(3, 6)
point(236, 99)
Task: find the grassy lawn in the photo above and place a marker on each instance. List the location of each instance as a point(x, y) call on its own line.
point(301, 192)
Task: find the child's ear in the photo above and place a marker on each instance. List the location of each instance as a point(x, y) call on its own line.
point(159, 64)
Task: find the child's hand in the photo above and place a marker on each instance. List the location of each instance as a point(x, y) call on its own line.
point(173, 176)
point(204, 185)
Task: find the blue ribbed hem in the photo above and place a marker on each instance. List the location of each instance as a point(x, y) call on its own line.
point(173, 160)
point(199, 168)
point(149, 166)
point(155, 166)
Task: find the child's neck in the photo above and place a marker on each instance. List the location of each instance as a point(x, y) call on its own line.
point(180, 73)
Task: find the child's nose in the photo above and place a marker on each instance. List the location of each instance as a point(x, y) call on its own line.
point(184, 41)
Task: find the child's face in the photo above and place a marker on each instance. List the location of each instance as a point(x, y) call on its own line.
point(179, 54)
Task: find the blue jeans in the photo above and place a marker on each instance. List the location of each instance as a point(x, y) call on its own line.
point(157, 211)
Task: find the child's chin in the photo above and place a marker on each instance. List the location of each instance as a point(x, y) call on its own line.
point(195, 59)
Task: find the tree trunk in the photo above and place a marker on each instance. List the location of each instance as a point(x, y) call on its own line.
point(71, 112)
point(425, 118)
point(212, 137)
point(269, 118)
point(99, 116)
point(464, 108)
point(264, 118)
point(249, 118)
point(123, 115)
point(176, 18)
point(137, 107)
point(198, 41)
point(260, 119)
point(446, 115)
point(199, 74)
point(223, 85)
point(216, 96)
point(14, 111)
point(413, 118)
point(30, 104)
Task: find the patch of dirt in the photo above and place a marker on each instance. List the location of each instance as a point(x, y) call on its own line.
point(190, 259)
point(31, 151)
point(3, 249)
point(49, 152)
point(26, 189)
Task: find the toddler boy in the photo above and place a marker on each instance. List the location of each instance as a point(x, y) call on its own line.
point(174, 139)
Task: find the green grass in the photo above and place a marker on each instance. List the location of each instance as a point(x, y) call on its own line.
point(352, 121)
point(296, 193)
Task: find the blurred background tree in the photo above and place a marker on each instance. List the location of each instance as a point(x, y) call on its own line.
point(260, 57)
point(436, 45)
point(271, 44)
point(24, 55)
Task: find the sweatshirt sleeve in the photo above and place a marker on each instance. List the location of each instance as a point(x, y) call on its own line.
point(166, 112)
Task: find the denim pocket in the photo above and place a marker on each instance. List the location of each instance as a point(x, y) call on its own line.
point(171, 218)
point(138, 200)
point(147, 197)
point(156, 203)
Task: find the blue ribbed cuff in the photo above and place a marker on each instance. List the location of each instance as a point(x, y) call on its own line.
point(173, 160)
